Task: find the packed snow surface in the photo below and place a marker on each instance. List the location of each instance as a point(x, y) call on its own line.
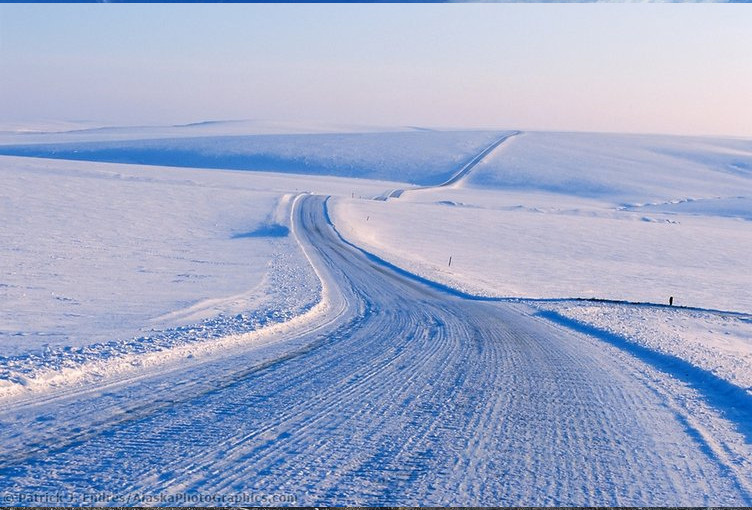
point(718, 343)
point(406, 395)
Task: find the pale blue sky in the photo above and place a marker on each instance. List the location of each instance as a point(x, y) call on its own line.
point(683, 69)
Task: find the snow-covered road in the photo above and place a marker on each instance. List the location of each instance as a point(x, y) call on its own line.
point(459, 174)
point(401, 395)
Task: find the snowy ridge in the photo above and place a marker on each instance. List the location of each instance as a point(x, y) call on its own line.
point(620, 169)
point(54, 132)
point(459, 174)
point(419, 157)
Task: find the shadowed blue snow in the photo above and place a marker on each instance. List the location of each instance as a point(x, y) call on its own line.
point(419, 157)
point(633, 169)
point(733, 401)
point(265, 231)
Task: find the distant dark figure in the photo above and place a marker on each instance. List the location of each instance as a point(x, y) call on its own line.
point(671, 301)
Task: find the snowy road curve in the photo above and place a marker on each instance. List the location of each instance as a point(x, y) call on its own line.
point(405, 396)
point(459, 174)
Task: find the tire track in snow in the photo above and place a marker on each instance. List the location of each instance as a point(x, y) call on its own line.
point(410, 397)
point(729, 399)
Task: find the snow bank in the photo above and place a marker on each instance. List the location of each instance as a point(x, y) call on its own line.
point(104, 267)
point(719, 343)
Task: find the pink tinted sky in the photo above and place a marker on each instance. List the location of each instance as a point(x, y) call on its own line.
point(656, 68)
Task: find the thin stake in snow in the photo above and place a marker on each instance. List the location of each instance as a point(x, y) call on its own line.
point(450, 261)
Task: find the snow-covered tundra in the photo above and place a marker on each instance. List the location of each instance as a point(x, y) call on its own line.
point(471, 317)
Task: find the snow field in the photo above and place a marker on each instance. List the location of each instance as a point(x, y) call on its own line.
point(103, 254)
point(109, 267)
point(620, 169)
point(540, 245)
